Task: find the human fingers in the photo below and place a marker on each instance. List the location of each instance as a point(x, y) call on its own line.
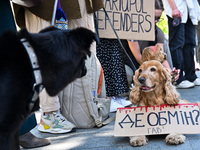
point(176, 13)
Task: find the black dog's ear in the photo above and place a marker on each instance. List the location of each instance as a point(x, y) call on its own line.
point(51, 28)
point(88, 34)
point(61, 56)
point(84, 38)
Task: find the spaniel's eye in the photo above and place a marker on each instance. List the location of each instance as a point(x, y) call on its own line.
point(140, 70)
point(153, 69)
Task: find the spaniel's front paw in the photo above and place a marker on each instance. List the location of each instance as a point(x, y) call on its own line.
point(175, 138)
point(138, 140)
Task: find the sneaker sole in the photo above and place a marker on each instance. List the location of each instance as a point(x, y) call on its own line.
point(196, 84)
point(185, 87)
point(54, 131)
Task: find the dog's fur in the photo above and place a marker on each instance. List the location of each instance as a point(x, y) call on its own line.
point(148, 54)
point(61, 56)
point(159, 54)
point(152, 86)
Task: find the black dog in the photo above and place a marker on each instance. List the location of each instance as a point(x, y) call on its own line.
point(61, 58)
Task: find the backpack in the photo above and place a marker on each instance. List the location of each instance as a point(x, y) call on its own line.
point(83, 101)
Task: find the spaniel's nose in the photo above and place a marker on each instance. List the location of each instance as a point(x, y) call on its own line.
point(142, 80)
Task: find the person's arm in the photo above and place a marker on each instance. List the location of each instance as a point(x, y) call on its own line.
point(175, 12)
point(135, 49)
point(166, 65)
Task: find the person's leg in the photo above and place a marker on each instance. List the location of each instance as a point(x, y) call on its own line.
point(176, 42)
point(26, 138)
point(28, 124)
point(48, 103)
point(34, 24)
point(51, 119)
point(188, 51)
point(7, 19)
point(198, 37)
point(86, 21)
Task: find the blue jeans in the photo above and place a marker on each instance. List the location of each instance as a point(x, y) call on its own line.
point(182, 43)
point(28, 124)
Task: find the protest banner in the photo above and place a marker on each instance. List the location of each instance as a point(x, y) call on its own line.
point(163, 119)
point(132, 19)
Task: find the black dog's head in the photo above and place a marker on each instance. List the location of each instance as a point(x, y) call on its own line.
point(61, 55)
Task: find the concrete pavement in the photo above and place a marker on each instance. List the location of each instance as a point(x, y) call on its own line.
point(103, 139)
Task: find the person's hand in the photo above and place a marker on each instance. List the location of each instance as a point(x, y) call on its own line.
point(176, 13)
point(175, 74)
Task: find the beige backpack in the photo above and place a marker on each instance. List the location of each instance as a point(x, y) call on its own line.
point(80, 102)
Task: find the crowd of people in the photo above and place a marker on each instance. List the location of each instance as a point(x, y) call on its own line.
point(118, 72)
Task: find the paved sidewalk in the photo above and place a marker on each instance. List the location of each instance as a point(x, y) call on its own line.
point(103, 139)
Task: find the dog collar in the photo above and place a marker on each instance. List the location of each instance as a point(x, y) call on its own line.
point(37, 87)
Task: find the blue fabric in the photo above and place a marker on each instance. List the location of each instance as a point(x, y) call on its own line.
point(28, 124)
point(60, 14)
point(182, 43)
point(6, 17)
point(61, 19)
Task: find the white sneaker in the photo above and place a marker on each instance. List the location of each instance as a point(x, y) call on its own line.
point(185, 84)
point(55, 122)
point(122, 101)
point(114, 105)
point(197, 81)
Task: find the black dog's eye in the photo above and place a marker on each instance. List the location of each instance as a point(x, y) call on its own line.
point(140, 70)
point(153, 69)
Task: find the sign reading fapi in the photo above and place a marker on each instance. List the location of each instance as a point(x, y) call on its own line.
point(163, 119)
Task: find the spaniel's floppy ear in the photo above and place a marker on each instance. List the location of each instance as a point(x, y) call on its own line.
point(171, 97)
point(136, 91)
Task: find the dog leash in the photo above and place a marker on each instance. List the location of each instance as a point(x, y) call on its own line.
point(54, 12)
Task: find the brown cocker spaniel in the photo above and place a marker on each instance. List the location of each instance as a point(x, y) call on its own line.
point(152, 86)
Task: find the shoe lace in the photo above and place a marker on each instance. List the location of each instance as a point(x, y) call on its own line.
point(59, 117)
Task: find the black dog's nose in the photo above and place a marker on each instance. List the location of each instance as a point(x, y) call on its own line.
point(142, 80)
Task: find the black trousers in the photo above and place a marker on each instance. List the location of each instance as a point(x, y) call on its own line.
point(182, 44)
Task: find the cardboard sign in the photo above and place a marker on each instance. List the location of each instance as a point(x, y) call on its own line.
point(163, 119)
point(132, 19)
